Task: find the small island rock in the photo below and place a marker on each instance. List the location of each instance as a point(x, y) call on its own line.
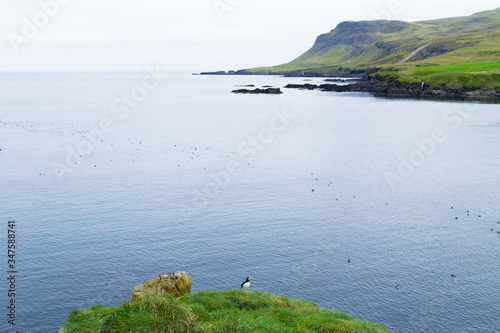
point(258, 91)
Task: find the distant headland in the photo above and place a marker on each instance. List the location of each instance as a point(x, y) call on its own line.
point(452, 57)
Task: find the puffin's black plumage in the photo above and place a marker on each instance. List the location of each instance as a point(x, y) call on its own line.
point(245, 285)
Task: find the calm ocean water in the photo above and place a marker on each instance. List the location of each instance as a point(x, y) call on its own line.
point(284, 189)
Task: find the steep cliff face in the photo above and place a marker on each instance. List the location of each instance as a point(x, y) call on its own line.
point(352, 42)
point(355, 34)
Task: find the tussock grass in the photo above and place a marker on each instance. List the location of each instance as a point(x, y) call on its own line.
point(153, 314)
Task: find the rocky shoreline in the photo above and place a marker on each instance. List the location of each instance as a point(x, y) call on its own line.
point(391, 87)
point(374, 83)
point(343, 72)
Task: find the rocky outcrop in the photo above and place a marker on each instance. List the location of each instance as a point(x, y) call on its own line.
point(355, 35)
point(176, 284)
point(273, 91)
point(390, 86)
point(215, 73)
point(435, 49)
point(306, 86)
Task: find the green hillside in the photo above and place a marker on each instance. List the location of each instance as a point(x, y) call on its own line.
point(417, 51)
point(216, 311)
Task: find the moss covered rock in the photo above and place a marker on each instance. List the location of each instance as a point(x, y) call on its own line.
point(176, 284)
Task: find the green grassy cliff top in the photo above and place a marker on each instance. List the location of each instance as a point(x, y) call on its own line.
point(215, 311)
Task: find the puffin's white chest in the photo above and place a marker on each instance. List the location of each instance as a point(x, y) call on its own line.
point(246, 285)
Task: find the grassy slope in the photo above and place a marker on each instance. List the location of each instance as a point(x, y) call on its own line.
point(215, 311)
point(484, 75)
point(470, 49)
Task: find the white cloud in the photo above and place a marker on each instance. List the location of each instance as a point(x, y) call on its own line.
point(113, 34)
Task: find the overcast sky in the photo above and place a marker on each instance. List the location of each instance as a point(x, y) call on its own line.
point(187, 34)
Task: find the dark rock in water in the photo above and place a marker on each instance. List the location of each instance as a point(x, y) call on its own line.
point(267, 86)
point(342, 80)
point(245, 85)
point(176, 284)
point(306, 86)
point(274, 91)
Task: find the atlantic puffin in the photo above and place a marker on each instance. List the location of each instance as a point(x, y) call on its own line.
point(245, 285)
